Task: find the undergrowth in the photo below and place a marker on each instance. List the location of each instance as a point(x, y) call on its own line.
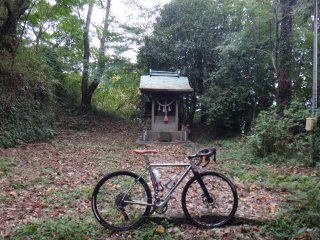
point(298, 219)
point(66, 227)
point(6, 165)
point(282, 138)
point(70, 227)
point(27, 102)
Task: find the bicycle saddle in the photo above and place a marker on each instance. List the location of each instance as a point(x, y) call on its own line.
point(138, 151)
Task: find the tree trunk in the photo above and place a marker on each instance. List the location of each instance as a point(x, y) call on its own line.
point(102, 49)
point(284, 88)
point(88, 90)
point(86, 98)
point(9, 22)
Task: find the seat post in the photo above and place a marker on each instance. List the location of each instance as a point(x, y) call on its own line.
point(146, 157)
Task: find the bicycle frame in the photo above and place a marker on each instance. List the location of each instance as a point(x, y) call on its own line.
point(161, 203)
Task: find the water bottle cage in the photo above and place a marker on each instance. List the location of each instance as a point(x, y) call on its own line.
point(172, 181)
point(159, 187)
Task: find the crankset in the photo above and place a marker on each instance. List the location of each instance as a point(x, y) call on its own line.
point(162, 209)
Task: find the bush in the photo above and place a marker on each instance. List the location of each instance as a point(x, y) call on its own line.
point(119, 96)
point(27, 99)
point(68, 91)
point(284, 136)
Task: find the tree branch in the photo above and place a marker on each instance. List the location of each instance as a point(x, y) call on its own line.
point(8, 5)
point(271, 56)
point(25, 23)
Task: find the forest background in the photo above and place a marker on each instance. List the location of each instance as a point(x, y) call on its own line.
point(249, 62)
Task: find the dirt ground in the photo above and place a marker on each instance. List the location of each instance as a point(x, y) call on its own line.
point(42, 177)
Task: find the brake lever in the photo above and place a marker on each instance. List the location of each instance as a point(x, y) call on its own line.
point(214, 158)
point(207, 161)
point(200, 161)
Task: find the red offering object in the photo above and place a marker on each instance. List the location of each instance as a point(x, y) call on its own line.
point(166, 119)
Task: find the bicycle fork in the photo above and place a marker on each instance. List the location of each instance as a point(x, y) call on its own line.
point(201, 183)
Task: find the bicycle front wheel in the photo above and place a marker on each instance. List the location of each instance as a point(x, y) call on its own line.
point(111, 201)
point(209, 215)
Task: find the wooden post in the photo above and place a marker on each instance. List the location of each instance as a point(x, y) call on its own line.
point(152, 116)
point(177, 115)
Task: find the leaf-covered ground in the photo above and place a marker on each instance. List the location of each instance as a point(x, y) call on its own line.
point(45, 187)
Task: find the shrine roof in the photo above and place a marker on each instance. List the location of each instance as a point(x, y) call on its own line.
point(164, 82)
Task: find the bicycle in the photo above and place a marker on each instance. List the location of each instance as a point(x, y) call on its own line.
point(122, 200)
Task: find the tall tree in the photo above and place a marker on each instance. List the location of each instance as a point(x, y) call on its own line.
point(284, 55)
point(88, 89)
point(242, 83)
point(86, 58)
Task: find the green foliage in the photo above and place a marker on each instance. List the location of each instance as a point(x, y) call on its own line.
point(300, 216)
point(283, 136)
point(185, 37)
point(181, 38)
point(27, 99)
point(66, 227)
point(242, 83)
point(228, 108)
point(118, 95)
point(68, 91)
point(229, 51)
point(70, 227)
point(6, 163)
point(148, 231)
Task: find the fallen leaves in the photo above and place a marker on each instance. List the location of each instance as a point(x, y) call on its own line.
point(57, 177)
point(12, 194)
point(160, 229)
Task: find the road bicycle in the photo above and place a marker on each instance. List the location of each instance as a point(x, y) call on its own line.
point(122, 200)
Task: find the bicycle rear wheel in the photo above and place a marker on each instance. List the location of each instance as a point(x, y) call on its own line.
point(108, 199)
point(209, 215)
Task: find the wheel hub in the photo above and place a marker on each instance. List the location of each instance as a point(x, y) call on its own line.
point(120, 200)
point(205, 201)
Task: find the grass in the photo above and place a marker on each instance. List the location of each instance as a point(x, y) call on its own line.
point(109, 156)
point(239, 162)
point(71, 227)
point(6, 165)
point(299, 219)
point(67, 227)
point(67, 198)
point(20, 184)
point(42, 180)
point(150, 228)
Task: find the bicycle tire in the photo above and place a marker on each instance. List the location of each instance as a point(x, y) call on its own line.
point(196, 208)
point(106, 201)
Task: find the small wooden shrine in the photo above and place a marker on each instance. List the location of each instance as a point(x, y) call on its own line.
point(164, 106)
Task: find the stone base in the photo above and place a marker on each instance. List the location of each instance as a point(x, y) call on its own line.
point(165, 137)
